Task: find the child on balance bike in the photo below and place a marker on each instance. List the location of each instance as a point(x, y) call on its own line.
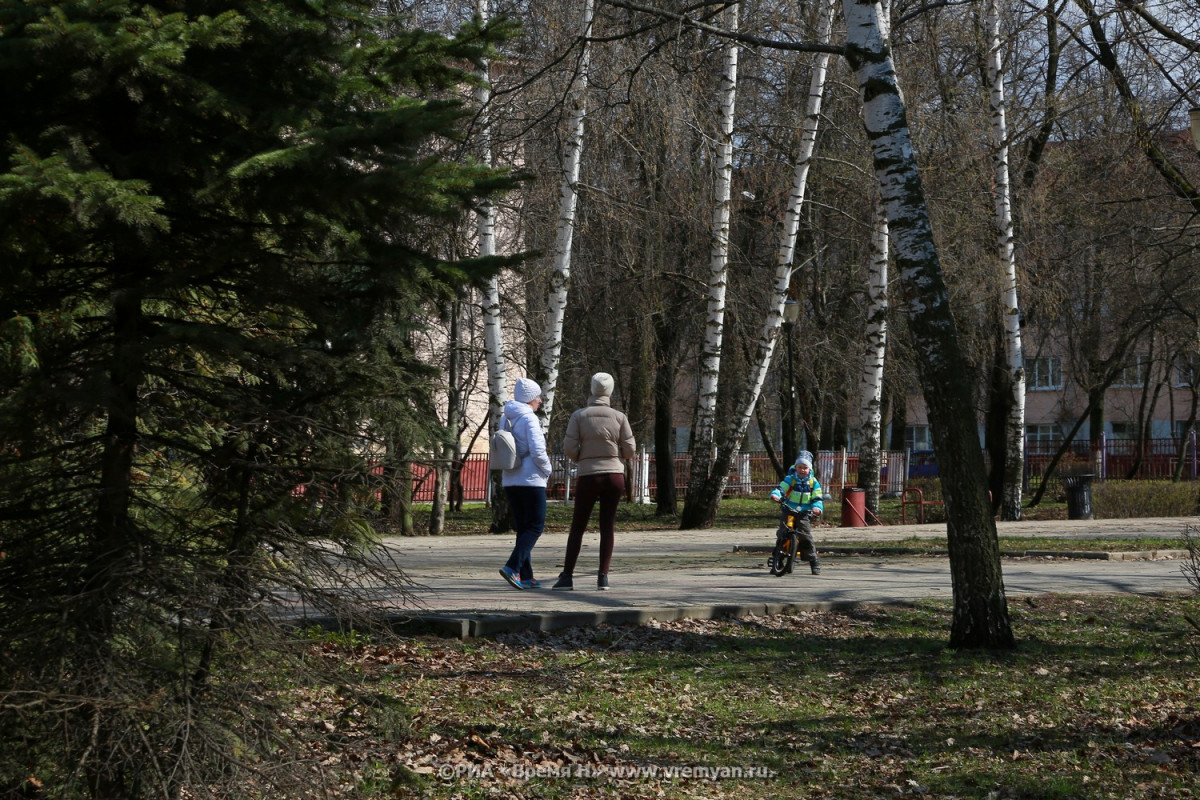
point(799, 493)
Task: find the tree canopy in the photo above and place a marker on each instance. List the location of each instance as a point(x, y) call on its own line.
point(219, 222)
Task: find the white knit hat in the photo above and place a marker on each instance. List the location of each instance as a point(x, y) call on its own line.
point(805, 457)
point(602, 384)
point(526, 390)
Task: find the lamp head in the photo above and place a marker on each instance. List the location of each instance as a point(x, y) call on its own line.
point(791, 309)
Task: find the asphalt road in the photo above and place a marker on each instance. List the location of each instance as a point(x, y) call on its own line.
point(457, 589)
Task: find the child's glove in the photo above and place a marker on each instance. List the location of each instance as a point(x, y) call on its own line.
point(776, 496)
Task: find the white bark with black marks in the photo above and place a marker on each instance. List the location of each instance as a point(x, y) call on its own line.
point(1014, 429)
point(980, 617)
point(560, 272)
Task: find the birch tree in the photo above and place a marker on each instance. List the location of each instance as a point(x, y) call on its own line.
point(1014, 450)
point(560, 274)
point(980, 617)
point(485, 230)
point(702, 479)
point(875, 352)
point(781, 283)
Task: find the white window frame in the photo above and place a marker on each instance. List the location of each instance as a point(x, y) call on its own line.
point(1122, 436)
point(1122, 430)
point(1187, 371)
point(1043, 437)
point(1133, 376)
point(915, 435)
point(1043, 374)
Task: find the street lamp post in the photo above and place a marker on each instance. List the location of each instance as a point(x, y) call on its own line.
point(791, 314)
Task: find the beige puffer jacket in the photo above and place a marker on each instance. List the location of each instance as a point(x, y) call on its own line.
point(598, 438)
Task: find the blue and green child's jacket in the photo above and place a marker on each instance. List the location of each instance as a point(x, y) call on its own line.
point(800, 494)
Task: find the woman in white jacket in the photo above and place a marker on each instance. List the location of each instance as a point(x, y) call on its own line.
point(525, 483)
point(600, 440)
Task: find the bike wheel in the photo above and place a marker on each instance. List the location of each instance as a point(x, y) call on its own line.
point(779, 556)
point(793, 546)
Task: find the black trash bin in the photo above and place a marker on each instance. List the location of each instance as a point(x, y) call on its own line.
point(1079, 496)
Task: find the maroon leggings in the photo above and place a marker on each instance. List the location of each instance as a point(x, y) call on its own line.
point(607, 488)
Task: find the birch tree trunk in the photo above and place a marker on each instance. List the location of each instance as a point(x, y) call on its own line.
point(784, 267)
point(703, 478)
point(493, 333)
point(871, 383)
point(717, 475)
point(560, 273)
point(980, 617)
point(1014, 434)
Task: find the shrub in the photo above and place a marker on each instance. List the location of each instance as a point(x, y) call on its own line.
point(1128, 499)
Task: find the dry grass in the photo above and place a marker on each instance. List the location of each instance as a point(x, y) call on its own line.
point(1098, 701)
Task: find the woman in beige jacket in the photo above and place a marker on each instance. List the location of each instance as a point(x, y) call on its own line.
point(599, 440)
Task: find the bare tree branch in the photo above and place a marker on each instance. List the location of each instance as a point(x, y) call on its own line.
point(744, 38)
point(1175, 36)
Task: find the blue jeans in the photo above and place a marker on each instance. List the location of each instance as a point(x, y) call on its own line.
point(528, 507)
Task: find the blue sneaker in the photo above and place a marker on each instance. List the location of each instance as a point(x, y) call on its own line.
point(511, 576)
point(530, 583)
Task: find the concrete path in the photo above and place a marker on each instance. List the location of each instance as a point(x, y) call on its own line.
point(458, 591)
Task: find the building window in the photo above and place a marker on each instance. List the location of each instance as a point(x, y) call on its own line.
point(1042, 438)
point(1133, 376)
point(916, 437)
point(1043, 373)
point(1122, 438)
point(1182, 429)
point(1187, 371)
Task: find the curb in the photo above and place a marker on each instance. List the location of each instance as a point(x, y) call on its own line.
point(480, 625)
point(472, 625)
point(1097, 555)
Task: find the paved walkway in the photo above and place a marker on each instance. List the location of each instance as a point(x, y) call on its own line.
point(458, 591)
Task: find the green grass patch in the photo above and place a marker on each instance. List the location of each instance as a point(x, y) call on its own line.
point(1127, 499)
point(1098, 701)
point(734, 513)
point(1110, 500)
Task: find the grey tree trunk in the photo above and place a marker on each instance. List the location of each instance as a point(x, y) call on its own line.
point(444, 466)
point(980, 617)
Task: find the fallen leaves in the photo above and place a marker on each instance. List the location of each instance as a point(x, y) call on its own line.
point(864, 703)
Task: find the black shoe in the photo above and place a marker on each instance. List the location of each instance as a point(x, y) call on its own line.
point(563, 582)
point(602, 582)
point(815, 565)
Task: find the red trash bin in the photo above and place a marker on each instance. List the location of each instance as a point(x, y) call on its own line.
point(854, 507)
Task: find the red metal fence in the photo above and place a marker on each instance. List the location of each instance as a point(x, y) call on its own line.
point(752, 473)
point(1119, 459)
